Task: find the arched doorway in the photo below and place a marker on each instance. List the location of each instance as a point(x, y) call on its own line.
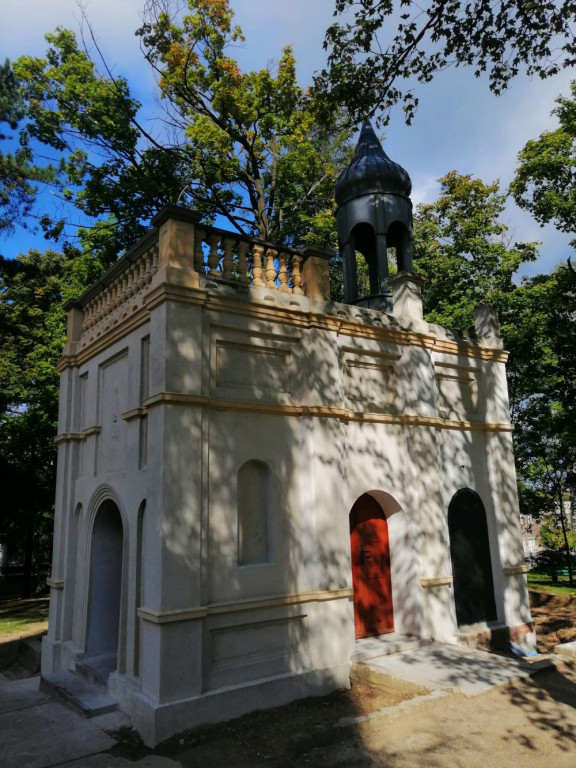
point(370, 551)
point(104, 597)
point(471, 562)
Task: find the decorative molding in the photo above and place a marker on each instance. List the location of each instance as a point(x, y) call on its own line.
point(438, 581)
point(321, 412)
point(95, 430)
point(69, 437)
point(140, 317)
point(515, 570)
point(256, 308)
point(190, 614)
point(55, 583)
point(135, 413)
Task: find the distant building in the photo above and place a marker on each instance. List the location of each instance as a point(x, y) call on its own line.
point(530, 537)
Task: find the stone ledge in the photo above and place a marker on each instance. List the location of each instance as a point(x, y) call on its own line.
point(189, 614)
point(567, 650)
point(438, 581)
point(514, 570)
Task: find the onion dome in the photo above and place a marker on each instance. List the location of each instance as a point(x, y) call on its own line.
point(371, 170)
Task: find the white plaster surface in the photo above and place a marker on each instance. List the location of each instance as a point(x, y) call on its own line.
point(335, 409)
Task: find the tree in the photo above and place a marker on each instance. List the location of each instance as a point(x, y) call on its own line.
point(544, 183)
point(244, 146)
point(385, 42)
point(546, 461)
point(258, 156)
point(17, 192)
point(541, 375)
point(32, 333)
point(91, 122)
point(465, 252)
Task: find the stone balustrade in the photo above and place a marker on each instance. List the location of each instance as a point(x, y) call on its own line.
point(202, 250)
point(225, 255)
point(123, 294)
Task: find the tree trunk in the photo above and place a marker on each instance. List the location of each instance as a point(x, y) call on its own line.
point(566, 544)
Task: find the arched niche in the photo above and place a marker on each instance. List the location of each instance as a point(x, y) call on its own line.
point(105, 589)
point(471, 562)
point(255, 503)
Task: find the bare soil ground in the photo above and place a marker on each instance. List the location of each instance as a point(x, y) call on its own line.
point(555, 619)
point(529, 723)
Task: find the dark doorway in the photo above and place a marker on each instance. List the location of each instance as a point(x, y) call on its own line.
point(104, 591)
point(370, 550)
point(471, 563)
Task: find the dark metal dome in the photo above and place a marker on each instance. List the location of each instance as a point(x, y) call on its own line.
point(371, 170)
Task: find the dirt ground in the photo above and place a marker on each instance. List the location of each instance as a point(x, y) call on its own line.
point(530, 723)
point(555, 619)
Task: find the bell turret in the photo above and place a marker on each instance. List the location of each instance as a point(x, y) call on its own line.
point(374, 215)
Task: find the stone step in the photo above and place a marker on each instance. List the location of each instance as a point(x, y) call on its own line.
point(384, 645)
point(30, 653)
point(78, 694)
point(97, 669)
point(21, 658)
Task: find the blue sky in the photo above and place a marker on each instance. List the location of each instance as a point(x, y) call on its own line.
point(459, 124)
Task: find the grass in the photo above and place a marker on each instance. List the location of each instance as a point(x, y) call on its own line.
point(539, 579)
point(19, 618)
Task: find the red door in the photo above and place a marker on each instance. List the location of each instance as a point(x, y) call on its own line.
point(373, 611)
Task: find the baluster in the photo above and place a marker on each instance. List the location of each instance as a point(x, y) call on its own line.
point(106, 296)
point(283, 273)
point(227, 261)
point(128, 285)
point(117, 288)
point(270, 268)
point(87, 316)
point(148, 267)
point(98, 305)
point(213, 257)
point(141, 273)
point(133, 285)
point(297, 274)
point(243, 261)
point(154, 267)
point(198, 252)
point(121, 289)
point(257, 252)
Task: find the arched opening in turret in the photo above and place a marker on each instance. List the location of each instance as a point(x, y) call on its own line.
point(366, 264)
point(363, 240)
point(398, 239)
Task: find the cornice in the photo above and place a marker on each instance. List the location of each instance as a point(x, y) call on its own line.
point(259, 309)
point(318, 411)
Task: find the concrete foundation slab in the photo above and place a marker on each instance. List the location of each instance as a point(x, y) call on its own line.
point(108, 761)
point(21, 694)
point(59, 735)
point(453, 668)
point(78, 693)
point(568, 650)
